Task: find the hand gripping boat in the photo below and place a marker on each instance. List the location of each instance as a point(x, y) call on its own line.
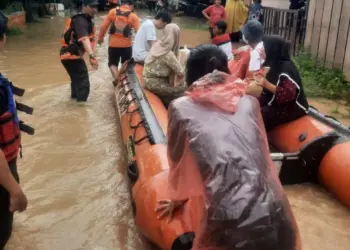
point(144, 122)
point(314, 149)
point(315, 145)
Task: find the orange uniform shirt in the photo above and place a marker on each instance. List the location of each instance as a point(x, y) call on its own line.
point(118, 40)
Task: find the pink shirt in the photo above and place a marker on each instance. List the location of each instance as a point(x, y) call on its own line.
point(216, 13)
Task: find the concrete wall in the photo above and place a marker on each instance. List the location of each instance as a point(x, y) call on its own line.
point(17, 19)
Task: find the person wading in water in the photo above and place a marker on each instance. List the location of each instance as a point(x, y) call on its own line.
point(12, 198)
point(78, 38)
point(120, 21)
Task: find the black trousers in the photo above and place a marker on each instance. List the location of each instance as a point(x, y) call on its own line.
point(6, 217)
point(79, 76)
point(211, 32)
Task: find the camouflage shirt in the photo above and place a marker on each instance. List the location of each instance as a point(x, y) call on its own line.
point(159, 77)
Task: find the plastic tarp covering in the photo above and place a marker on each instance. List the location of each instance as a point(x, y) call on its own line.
point(220, 159)
point(239, 65)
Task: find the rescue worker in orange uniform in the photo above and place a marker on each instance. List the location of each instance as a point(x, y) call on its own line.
point(12, 198)
point(78, 38)
point(121, 20)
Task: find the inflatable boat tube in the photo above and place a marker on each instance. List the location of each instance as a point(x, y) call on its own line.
point(144, 124)
point(321, 142)
point(326, 159)
point(312, 148)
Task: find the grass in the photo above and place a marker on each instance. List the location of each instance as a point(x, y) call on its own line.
point(336, 109)
point(15, 31)
point(319, 81)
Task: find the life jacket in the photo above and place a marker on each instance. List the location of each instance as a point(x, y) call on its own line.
point(10, 125)
point(69, 36)
point(121, 23)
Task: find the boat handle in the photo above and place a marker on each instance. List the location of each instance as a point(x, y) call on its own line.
point(134, 136)
point(125, 84)
point(130, 118)
point(284, 156)
point(127, 104)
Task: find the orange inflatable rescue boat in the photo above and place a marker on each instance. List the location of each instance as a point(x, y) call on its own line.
point(144, 122)
point(312, 148)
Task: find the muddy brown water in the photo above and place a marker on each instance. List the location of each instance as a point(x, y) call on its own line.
point(72, 170)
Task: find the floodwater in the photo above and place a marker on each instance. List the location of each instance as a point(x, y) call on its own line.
point(72, 170)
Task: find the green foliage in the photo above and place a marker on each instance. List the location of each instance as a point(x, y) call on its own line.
point(13, 7)
point(15, 31)
point(319, 81)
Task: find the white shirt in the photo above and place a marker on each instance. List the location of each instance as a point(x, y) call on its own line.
point(145, 34)
point(257, 57)
point(224, 43)
point(227, 48)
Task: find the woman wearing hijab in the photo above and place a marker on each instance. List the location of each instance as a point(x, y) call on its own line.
point(219, 160)
point(236, 16)
point(283, 99)
point(162, 69)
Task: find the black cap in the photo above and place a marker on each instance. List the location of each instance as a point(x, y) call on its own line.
point(253, 31)
point(91, 2)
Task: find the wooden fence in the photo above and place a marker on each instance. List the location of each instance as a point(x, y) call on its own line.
point(290, 24)
point(328, 33)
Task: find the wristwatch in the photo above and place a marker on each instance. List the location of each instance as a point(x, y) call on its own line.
point(92, 56)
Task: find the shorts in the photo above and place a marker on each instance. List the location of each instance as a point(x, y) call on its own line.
point(117, 54)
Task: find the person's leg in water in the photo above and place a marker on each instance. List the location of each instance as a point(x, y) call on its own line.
point(115, 73)
point(81, 81)
point(126, 54)
point(114, 56)
point(67, 65)
point(78, 72)
point(6, 217)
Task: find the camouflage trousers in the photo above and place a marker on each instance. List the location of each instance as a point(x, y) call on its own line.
point(164, 89)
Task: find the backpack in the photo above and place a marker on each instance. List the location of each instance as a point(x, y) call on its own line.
point(120, 24)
